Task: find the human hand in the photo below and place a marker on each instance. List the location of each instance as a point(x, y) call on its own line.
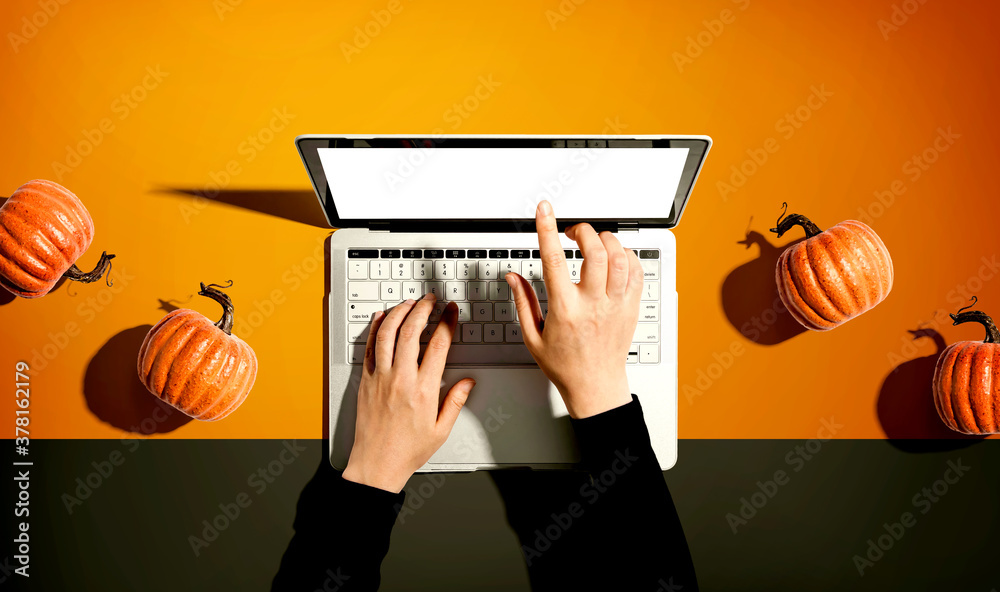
point(590, 325)
point(400, 424)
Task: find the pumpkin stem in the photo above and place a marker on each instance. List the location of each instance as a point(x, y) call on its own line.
point(785, 223)
point(977, 316)
point(74, 273)
point(212, 291)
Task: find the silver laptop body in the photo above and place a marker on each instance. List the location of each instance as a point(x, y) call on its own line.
point(451, 215)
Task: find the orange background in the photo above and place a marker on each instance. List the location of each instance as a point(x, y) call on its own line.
point(227, 71)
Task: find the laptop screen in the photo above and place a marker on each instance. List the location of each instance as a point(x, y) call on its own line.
point(502, 179)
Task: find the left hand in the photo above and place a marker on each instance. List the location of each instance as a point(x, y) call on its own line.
point(400, 425)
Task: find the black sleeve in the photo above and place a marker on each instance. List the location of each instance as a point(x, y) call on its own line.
point(633, 523)
point(342, 533)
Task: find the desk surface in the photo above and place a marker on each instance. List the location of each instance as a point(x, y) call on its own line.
point(137, 109)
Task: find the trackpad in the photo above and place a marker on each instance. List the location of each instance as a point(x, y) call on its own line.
point(514, 416)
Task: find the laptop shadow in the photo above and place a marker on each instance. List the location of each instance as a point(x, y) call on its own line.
point(291, 204)
point(905, 405)
point(750, 296)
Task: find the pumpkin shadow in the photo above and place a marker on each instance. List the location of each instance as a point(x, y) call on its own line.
point(290, 204)
point(115, 394)
point(6, 297)
point(750, 296)
point(906, 409)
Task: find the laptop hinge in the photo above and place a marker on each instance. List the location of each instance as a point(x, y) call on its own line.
point(628, 226)
point(378, 227)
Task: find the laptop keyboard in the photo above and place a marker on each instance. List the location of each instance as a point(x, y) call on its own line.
point(488, 329)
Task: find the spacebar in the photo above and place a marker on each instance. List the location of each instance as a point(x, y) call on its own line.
point(489, 354)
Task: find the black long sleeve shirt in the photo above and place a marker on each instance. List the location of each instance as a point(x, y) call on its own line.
point(612, 527)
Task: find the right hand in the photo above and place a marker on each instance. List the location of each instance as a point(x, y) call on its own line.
point(589, 326)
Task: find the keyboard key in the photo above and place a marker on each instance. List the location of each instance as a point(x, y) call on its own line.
point(378, 270)
point(508, 266)
point(472, 333)
point(568, 253)
point(444, 270)
point(477, 254)
point(477, 291)
point(649, 254)
point(422, 270)
point(425, 335)
point(436, 312)
point(499, 291)
point(413, 290)
point(464, 313)
point(357, 332)
point(489, 354)
point(650, 291)
point(597, 143)
point(391, 291)
point(579, 254)
point(499, 254)
point(456, 337)
point(646, 333)
point(390, 253)
point(357, 270)
point(493, 333)
point(455, 253)
point(454, 290)
point(361, 312)
point(488, 270)
point(531, 270)
point(466, 270)
point(433, 253)
point(412, 253)
point(400, 270)
point(436, 288)
point(649, 312)
point(650, 268)
point(362, 253)
point(576, 143)
point(520, 254)
point(482, 312)
point(574, 269)
point(513, 334)
point(649, 353)
point(503, 311)
point(540, 291)
point(542, 305)
point(362, 290)
point(356, 353)
point(633, 354)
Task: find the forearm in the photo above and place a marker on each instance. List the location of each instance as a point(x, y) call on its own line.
point(633, 514)
point(342, 532)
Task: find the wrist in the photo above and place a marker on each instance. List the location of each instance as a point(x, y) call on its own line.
point(391, 481)
point(596, 398)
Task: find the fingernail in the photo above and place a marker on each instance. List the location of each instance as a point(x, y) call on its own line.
point(430, 296)
point(544, 207)
point(408, 301)
point(378, 315)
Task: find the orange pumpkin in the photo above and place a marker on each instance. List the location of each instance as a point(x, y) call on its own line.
point(833, 275)
point(197, 366)
point(44, 229)
point(967, 379)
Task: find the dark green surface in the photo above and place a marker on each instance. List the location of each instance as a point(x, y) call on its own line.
point(132, 532)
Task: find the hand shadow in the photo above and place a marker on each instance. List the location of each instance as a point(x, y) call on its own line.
point(115, 394)
point(750, 296)
point(906, 409)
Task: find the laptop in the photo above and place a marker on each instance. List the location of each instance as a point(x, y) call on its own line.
point(452, 215)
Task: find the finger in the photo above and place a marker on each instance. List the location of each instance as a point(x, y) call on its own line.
point(452, 405)
point(439, 344)
point(408, 345)
point(377, 319)
point(636, 275)
point(553, 259)
point(385, 340)
point(618, 265)
point(594, 273)
point(529, 313)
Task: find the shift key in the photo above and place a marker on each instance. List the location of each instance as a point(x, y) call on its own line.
point(647, 333)
point(361, 312)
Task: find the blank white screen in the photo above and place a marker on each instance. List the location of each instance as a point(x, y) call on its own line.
point(502, 183)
